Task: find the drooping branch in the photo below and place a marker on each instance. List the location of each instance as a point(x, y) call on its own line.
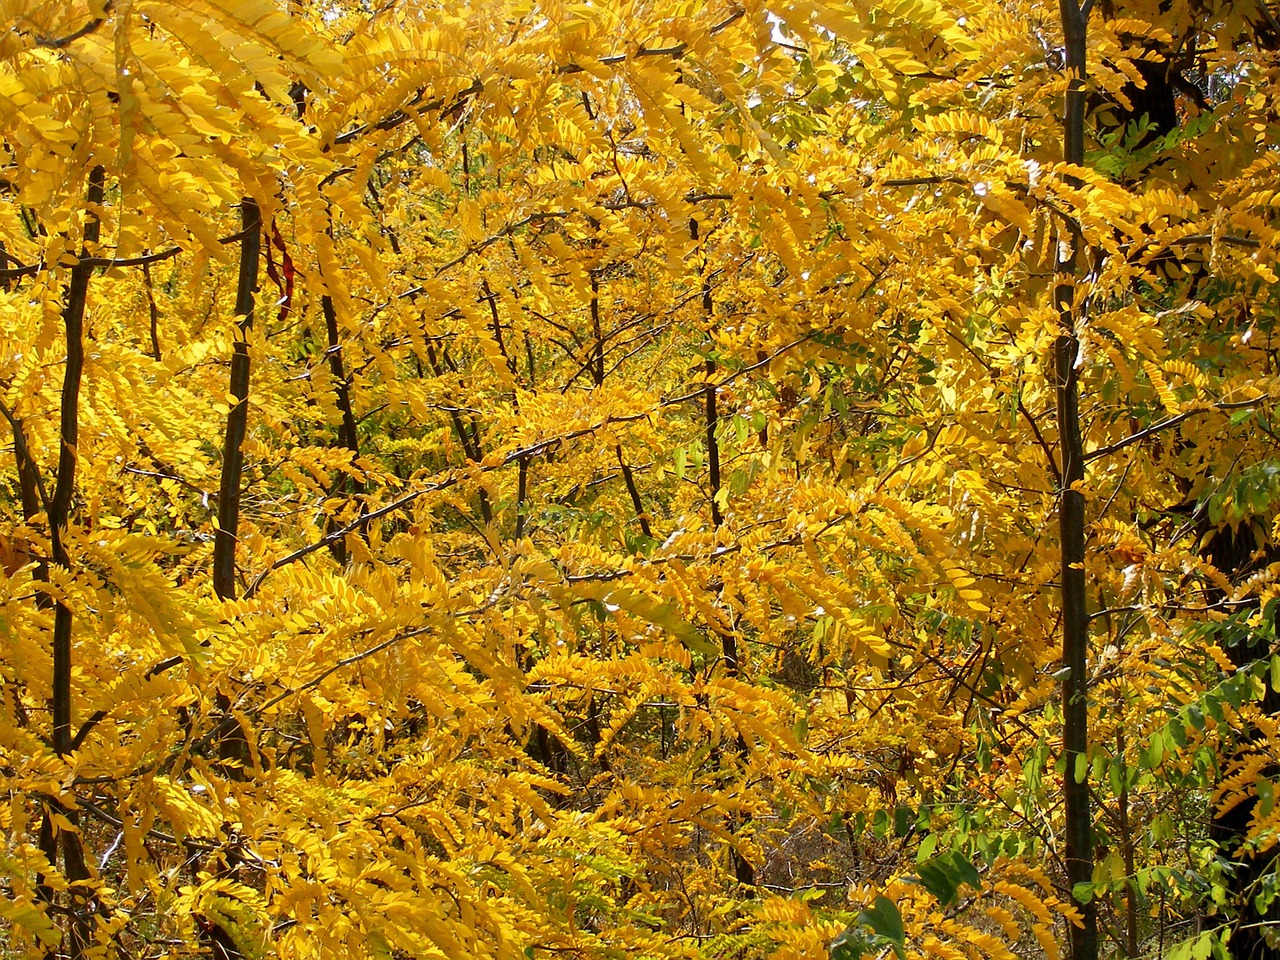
point(540, 448)
point(418, 104)
point(106, 263)
point(23, 270)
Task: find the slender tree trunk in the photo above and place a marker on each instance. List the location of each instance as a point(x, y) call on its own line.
point(743, 870)
point(522, 491)
point(597, 352)
point(32, 495)
point(74, 868)
point(35, 498)
point(629, 478)
point(712, 420)
point(153, 312)
point(347, 435)
point(64, 485)
point(232, 746)
point(1127, 851)
point(469, 437)
point(224, 544)
point(1071, 519)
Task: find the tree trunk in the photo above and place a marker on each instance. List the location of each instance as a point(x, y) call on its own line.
point(1071, 522)
point(233, 746)
point(743, 870)
point(347, 434)
point(1232, 551)
point(224, 544)
point(74, 868)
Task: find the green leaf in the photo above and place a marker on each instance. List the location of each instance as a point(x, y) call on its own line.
point(1213, 707)
point(852, 944)
point(965, 870)
point(1240, 416)
point(1203, 946)
point(945, 874)
point(1083, 892)
point(1155, 752)
point(927, 846)
point(938, 881)
point(902, 817)
point(883, 917)
point(1266, 798)
point(877, 926)
point(1195, 715)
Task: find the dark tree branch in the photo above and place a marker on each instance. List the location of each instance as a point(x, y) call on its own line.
point(628, 477)
point(1166, 424)
point(57, 43)
point(27, 270)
